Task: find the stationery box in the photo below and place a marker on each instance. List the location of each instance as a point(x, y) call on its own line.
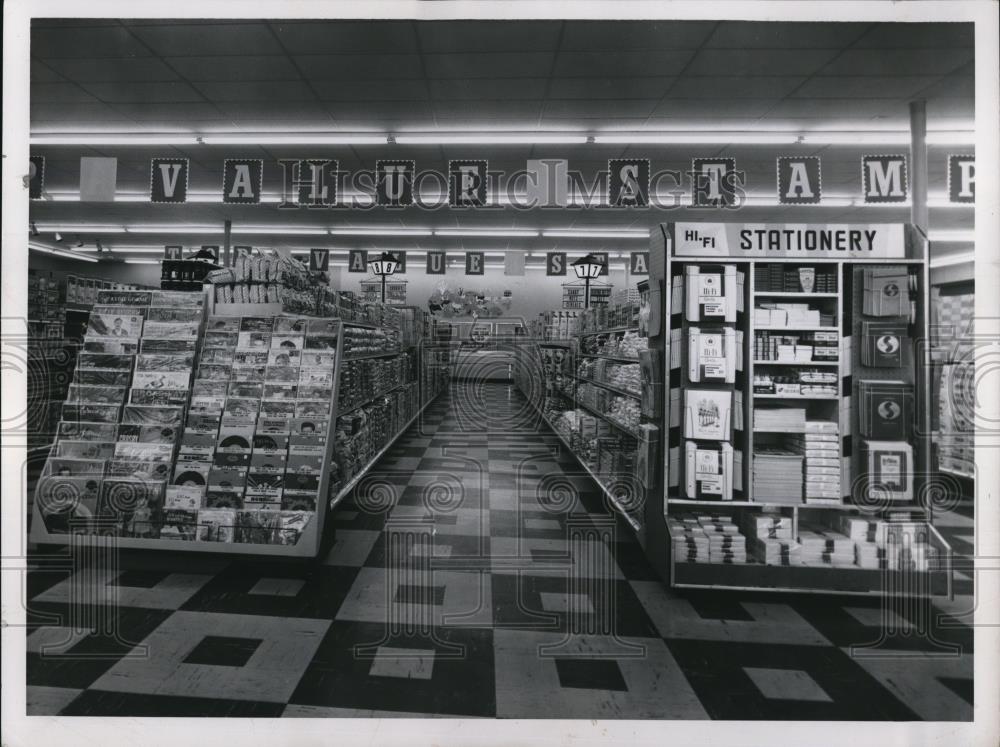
point(889, 469)
point(713, 354)
point(886, 291)
point(708, 414)
point(711, 293)
point(886, 410)
point(885, 345)
point(708, 471)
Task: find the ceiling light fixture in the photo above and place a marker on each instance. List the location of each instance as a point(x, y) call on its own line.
point(704, 138)
point(111, 138)
point(130, 261)
point(275, 138)
point(59, 253)
point(597, 233)
point(388, 231)
point(493, 138)
point(487, 232)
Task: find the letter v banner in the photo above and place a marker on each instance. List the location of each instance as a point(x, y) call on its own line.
point(168, 180)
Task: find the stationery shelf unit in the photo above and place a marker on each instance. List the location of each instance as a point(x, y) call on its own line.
point(791, 407)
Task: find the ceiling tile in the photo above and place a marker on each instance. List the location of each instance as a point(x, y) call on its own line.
point(763, 35)
point(918, 35)
point(174, 113)
point(111, 70)
point(829, 109)
point(188, 39)
point(497, 88)
point(386, 90)
point(708, 108)
point(85, 42)
point(359, 67)
point(489, 65)
point(304, 111)
point(59, 93)
point(898, 62)
point(326, 37)
point(41, 73)
point(143, 92)
point(657, 35)
point(488, 108)
point(952, 87)
point(759, 61)
point(607, 109)
point(379, 110)
point(871, 87)
point(606, 88)
point(238, 68)
point(750, 87)
point(622, 63)
point(256, 90)
point(487, 36)
point(71, 113)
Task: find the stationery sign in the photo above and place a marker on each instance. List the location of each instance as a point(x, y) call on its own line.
point(961, 178)
point(168, 180)
point(801, 241)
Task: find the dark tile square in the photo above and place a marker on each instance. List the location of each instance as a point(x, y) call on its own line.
point(462, 681)
point(963, 688)
point(103, 703)
point(223, 651)
point(715, 607)
point(419, 594)
point(590, 674)
point(139, 579)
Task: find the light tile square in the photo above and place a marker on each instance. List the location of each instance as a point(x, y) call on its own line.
point(786, 684)
point(91, 586)
point(52, 640)
point(403, 663)
point(270, 675)
point(558, 602)
point(543, 524)
point(48, 701)
point(876, 617)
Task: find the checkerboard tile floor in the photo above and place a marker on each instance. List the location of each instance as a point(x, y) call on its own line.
point(495, 583)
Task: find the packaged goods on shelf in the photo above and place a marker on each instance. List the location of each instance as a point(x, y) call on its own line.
point(888, 469)
point(804, 347)
point(706, 539)
point(628, 345)
point(777, 475)
point(886, 291)
point(779, 419)
point(822, 545)
point(777, 278)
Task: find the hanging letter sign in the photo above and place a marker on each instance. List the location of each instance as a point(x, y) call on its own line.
point(799, 180)
point(961, 178)
point(555, 263)
point(394, 182)
point(467, 183)
point(475, 263)
point(242, 180)
point(884, 178)
point(168, 180)
point(436, 263)
point(628, 182)
point(357, 260)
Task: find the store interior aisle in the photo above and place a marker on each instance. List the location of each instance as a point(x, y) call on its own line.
point(476, 571)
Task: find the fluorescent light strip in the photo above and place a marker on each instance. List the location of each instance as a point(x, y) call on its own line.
point(281, 230)
point(360, 231)
point(706, 138)
point(492, 138)
point(59, 253)
point(129, 261)
point(481, 232)
point(112, 138)
point(958, 259)
point(44, 228)
point(597, 233)
point(292, 139)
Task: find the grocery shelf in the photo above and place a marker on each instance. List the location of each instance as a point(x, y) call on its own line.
point(373, 355)
point(619, 358)
point(603, 416)
point(611, 387)
point(610, 330)
point(369, 400)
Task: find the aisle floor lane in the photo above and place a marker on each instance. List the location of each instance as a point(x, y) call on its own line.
point(492, 582)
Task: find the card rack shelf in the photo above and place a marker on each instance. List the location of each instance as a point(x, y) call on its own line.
point(842, 316)
point(330, 490)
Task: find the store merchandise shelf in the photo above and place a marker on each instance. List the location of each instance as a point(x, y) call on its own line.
point(611, 387)
point(610, 330)
point(603, 416)
point(794, 294)
point(798, 328)
point(804, 578)
point(353, 482)
point(796, 363)
point(373, 355)
point(957, 473)
point(619, 358)
point(369, 400)
point(783, 397)
point(632, 522)
point(556, 343)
